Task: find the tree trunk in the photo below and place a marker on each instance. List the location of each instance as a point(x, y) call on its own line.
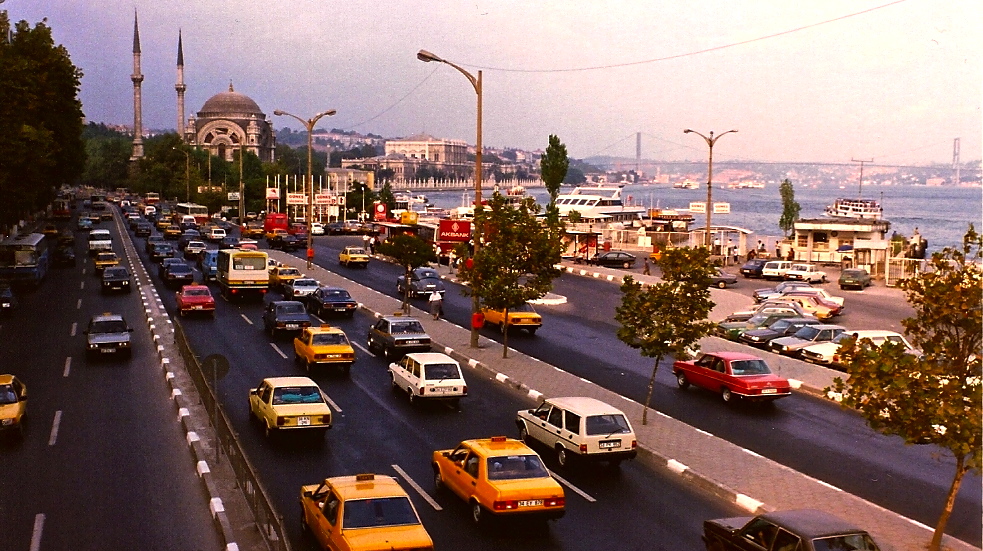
point(406, 292)
point(648, 395)
point(950, 501)
point(505, 335)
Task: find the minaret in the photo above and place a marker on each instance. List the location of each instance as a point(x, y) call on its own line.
point(137, 78)
point(180, 87)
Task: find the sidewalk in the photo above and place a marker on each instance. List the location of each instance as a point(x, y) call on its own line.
point(752, 482)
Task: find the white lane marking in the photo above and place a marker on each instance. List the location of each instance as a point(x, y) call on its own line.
point(247, 319)
point(278, 351)
point(36, 534)
point(54, 429)
point(417, 487)
point(68, 366)
point(332, 403)
point(75, 327)
point(78, 304)
point(82, 285)
point(362, 348)
point(577, 490)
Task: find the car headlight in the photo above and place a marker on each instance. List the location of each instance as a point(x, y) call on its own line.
point(93, 345)
point(7, 422)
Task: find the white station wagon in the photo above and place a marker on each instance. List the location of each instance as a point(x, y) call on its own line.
point(579, 428)
point(429, 376)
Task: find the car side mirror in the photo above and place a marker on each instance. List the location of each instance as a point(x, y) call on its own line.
point(129, 329)
point(253, 391)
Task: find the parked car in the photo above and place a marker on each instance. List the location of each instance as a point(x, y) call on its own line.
point(854, 278)
point(797, 530)
point(327, 300)
point(776, 269)
point(781, 328)
point(761, 295)
point(317, 228)
point(285, 316)
point(423, 281)
point(429, 376)
point(591, 430)
point(806, 272)
point(806, 336)
point(827, 353)
point(732, 375)
point(722, 279)
point(767, 307)
point(613, 259)
point(815, 291)
point(752, 268)
point(732, 330)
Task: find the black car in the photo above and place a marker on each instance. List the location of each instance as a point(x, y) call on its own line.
point(423, 281)
point(229, 242)
point(116, 278)
point(334, 228)
point(177, 274)
point(160, 251)
point(785, 327)
point(395, 336)
point(328, 300)
point(65, 256)
point(801, 530)
point(613, 259)
point(286, 242)
point(151, 239)
point(8, 302)
point(108, 334)
point(187, 237)
point(285, 316)
point(752, 268)
point(143, 229)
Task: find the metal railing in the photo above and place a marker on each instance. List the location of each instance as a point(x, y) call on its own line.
point(268, 521)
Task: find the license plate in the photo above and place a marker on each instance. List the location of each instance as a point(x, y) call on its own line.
point(411, 342)
point(197, 307)
point(531, 503)
point(340, 309)
point(440, 389)
point(107, 350)
point(293, 326)
point(303, 421)
point(610, 444)
point(770, 391)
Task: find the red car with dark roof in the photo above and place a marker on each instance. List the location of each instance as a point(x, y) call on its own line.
point(732, 375)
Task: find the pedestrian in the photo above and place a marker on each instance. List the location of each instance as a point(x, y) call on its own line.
point(761, 246)
point(372, 245)
point(436, 304)
point(645, 268)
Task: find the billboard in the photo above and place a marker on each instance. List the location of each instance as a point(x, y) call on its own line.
point(272, 194)
point(296, 198)
point(454, 230)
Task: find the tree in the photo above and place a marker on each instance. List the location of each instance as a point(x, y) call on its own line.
point(387, 198)
point(669, 317)
point(554, 165)
point(790, 208)
point(934, 397)
point(410, 252)
point(517, 262)
point(40, 119)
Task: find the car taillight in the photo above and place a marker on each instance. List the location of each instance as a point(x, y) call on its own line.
point(465, 389)
point(421, 390)
point(583, 448)
point(281, 420)
point(555, 502)
point(634, 444)
point(325, 419)
point(505, 505)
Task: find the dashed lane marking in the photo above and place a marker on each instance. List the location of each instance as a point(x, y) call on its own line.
point(249, 321)
point(75, 327)
point(36, 534)
point(78, 304)
point(278, 351)
point(418, 489)
point(576, 490)
point(54, 429)
point(68, 366)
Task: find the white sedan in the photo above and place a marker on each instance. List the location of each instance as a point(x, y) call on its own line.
point(806, 272)
point(317, 228)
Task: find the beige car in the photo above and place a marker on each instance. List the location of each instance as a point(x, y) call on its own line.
point(429, 376)
point(579, 428)
point(353, 256)
point(808, 303)
point(284, 404)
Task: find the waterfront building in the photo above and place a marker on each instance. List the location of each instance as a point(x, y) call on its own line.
point(406, 157)
point(861, 241)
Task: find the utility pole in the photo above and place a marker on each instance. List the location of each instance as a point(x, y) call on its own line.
point(860, 193)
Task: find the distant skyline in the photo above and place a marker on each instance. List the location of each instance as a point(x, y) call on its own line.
point(892, 81)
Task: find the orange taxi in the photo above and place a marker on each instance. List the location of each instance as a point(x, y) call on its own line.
point(282, 274)
point(499, 477)
point(323, 345)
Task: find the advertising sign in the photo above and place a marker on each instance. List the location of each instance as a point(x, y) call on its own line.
point(233, 196)
point(379, 209)
point(454, 230)
point(296, 198)
point(698, 207)
point(721, 208)
point(324, 199)
point(272, 194)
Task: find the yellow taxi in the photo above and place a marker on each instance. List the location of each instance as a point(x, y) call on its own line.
point(353, 255)
point(252, 229)
point(282, 274)
point(369, 512)
point(324, 345)
point(172, 231)
point(274, 232)
point(104, 260)
point(50, 230)
point(13, 405)
point(284, 404)
point(521, 317)
point(501, 477)
point(163, 222)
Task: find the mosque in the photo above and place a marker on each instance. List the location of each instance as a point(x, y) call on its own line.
point(227, 122)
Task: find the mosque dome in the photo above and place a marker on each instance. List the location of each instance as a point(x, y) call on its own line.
point(230, 103)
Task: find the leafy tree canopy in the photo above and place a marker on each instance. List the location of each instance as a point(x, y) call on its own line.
point(790, 208)
point(410, 252)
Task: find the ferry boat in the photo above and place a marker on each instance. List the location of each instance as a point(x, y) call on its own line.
point(599, 201)
point(855, 208)
point(688, 184)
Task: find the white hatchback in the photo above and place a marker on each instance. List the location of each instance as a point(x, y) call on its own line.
point(429, 376)
point(579, 428)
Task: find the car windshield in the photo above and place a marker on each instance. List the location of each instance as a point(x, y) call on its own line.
point(852, 542)
point(116, 272)
point(749, 367)
point(512, 467)
point(525, 307)
point(441, 371)
point(407, 327)
point(297, 395)
point(756, 321)
point(7, 394)
point(611, 423)
point(290, 272)
point(196, 293)
point(179, 268)
point(290, 309)
point(380, 511)
point(324, 339)
point(852, 273)
point(108, 326)
point(808, 333)
point(780, 325)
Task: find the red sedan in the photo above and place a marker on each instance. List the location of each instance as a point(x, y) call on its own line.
point(732, 375)
point(195, 298)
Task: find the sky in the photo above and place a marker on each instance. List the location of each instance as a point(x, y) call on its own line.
point(817, 81)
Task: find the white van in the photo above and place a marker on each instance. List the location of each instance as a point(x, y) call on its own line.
point(580, 428)
point(100, 240)
point(776, 269)
point(430, 376)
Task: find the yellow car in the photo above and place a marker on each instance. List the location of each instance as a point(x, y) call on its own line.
point(172, 231)
point(283, 404)
point(522, 317)
point(253, 230)
point(282, 274)
point(273, 233)
point(363, 512)
point(13, 405)
point(499, 476)
point(808, 303)
point(353, 255)
point(163, 222)
point(104, 260)
point(323, 345)
point(50, 230)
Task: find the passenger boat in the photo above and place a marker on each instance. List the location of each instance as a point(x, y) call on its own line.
point(855, 208)
point(688, 184)
point(599, 201)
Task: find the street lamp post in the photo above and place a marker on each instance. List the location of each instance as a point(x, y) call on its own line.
point(187, 172)
point(427, 57)
point(710, 141)
point(309, 123)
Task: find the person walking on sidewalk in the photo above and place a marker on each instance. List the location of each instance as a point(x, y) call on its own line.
point(646, 270)
point(436, 304)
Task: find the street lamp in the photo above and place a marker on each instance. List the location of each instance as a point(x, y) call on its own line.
point(710, 141)
point(309, 123)
point(187, 172)
point(427, 57)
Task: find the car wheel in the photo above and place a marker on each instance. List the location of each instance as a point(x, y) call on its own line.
point(626, 265)
point(563, 457)
point(727, 395)
point(438, 481)
point(532, 331)
point(477, 513)
point(267, 430)
point(412, 395)
point(392, 381)
point(722, 285)
point(308, 366)
point(523, 434)
point(681, 380)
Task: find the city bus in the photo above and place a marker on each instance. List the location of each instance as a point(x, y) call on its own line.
point(61, 209)
point(151, 198)
point(273, 221)
point(24, 259)
point(242, 273)
point(199, 212)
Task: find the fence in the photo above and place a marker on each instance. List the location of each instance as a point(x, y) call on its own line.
point(268, 521)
